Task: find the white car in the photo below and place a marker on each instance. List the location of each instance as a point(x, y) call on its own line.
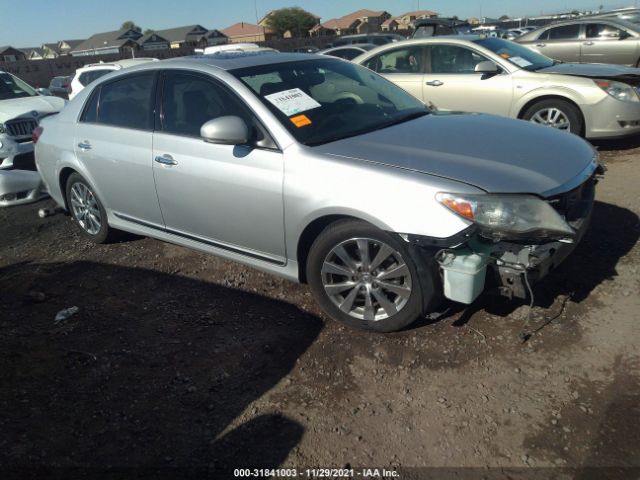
point(21, 108)
point(20, 186)
point(234, 47)
point(87, 74)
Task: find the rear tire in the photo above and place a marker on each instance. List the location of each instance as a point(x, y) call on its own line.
point(556, 113)
point(379, 290)
point(87, 210)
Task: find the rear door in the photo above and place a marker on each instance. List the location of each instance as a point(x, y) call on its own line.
point(404, 66)
point(451, 82)
point(606, 43)
point(561, 43)
point(113, 140)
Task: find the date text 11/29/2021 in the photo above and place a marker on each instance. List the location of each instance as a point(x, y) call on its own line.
point(315, 473)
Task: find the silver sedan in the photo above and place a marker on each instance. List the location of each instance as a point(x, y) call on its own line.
point(320, 171)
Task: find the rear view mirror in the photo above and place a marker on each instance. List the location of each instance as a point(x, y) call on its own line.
point(228, 130)
point(486, 67)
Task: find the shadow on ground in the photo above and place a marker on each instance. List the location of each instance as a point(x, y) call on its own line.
point(155, 371)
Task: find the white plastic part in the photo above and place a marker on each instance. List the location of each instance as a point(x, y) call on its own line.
point(464, 273)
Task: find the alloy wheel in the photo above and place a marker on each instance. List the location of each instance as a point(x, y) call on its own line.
point(366, 279)
point(552, 117)
point(85, 208)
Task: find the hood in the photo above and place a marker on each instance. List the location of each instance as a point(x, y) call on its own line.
point(22, 107)
point(594, 70)
point(495, 154)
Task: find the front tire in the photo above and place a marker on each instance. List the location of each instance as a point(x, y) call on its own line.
point(87, 210)
point(365, 278)
point(556, 113)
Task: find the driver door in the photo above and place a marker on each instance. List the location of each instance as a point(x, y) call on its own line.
point(225, 196)
point(452, 83)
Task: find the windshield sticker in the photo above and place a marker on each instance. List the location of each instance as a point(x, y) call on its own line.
point(300, 121)
point(521, 62)
point(292, 101)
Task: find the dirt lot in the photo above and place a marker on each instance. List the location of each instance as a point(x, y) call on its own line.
point(180, 364)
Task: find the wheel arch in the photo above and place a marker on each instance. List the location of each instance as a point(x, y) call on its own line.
point(544, 97)
point(65, 173)
point(308, 236)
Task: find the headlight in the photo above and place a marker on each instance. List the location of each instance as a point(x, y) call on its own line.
point(508, 216)
point(618, 90)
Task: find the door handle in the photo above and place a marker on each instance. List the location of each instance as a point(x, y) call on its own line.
point(541, 44)
point(434, 83)
point(165, 160)
point(587, 43)
point(84, 145)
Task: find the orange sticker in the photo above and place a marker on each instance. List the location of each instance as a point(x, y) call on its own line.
point(504, 55)
point(300, 121)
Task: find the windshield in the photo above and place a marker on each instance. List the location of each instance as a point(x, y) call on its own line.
point(516, 54)
point(321, 101)
point(12, 87)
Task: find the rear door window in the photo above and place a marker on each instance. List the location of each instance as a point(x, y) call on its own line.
point(128, 102)
point(400, 60)
point(86, 78)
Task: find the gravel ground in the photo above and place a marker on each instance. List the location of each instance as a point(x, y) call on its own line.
point(182, 364)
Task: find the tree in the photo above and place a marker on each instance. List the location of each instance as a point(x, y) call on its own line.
point(503, 18)
point(148, 31)
point(293, 19)
point(455, 17)
point(130, 25)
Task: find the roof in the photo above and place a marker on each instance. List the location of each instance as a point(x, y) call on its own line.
point(72, 43)
point(180, 34)
point(28, 50)
point(415, 13)
point(4, 48)
point(146, 37)
point(244, 28)
point(347, 20)
point(106, 39)
point(235, 60)
point(126, 63)
point(51, 46)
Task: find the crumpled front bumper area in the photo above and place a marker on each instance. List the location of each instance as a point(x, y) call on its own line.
point(20, 186)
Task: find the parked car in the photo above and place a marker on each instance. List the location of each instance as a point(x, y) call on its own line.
point(432, 27)
point(375, 38)
point(59, 86)
point(631, 15)
point(307, 49)
point(18, 187)
point(320, 171)
point(21, 108)
point(348, 52)
point(600, 40)
point(493, 75)
point(90, 73)
point(234, 47)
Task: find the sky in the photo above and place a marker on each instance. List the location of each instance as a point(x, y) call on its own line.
point(34, 22)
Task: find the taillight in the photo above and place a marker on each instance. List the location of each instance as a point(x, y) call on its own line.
point(35, 135)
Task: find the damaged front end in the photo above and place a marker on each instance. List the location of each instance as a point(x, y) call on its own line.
point(514, 242)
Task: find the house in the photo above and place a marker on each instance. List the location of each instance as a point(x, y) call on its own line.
point(247, 32)
point(406, 21)
point(65, 46)
point(264, 22)
point(32, 53)
point(213, 37)
point(10, 54)
point(116, 42)
point(50, 50)
point(153, 41)
point(362, 21)
point(179, 37)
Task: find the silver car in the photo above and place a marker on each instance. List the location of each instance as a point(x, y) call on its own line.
point(493, 75)
point(320, 171)
point(591, 40)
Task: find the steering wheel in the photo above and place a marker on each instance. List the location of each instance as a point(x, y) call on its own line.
point(357, 99)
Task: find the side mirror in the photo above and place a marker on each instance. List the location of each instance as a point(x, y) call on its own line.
point(486, 66)
point(229, 130)
point(44, 91)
